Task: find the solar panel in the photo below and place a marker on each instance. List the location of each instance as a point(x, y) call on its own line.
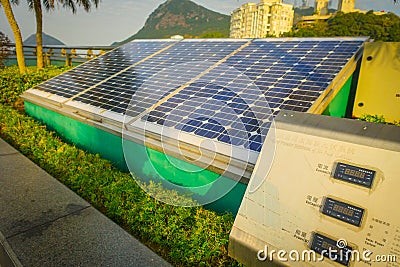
point(225, 90)
point(236, 101)
point(94, 71)
point(157, 75)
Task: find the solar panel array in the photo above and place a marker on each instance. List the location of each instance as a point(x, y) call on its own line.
point(97, 70)
point(268, 76)
point(116, 93)
point(226, 90)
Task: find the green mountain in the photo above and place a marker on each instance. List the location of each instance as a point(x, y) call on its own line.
point(47, 40)
point(183, 17)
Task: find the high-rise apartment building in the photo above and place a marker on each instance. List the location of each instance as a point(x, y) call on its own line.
point(269, 17)
point(346, 6)
point(321, 7)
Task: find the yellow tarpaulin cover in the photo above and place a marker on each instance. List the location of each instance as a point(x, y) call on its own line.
point(378, 91)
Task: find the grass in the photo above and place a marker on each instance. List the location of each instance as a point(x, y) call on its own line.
point(377, 119)
point(183, 236)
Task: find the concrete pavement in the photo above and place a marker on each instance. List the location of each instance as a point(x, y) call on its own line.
point(43, 223)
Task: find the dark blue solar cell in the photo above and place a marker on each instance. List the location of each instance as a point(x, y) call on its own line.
point(221, 97)
point(190, 126)
point(163, 109)
point(308, 92)
point(295, 108)
point(204, 112)
point(238, 108)
point(161, 121)
point(227, 93)
point(303, 97)
point(167, 122)
point(265, 84)
point(237, 137)
point(303, 67)
point(273, 105)
point(170, 104)
point(278, 94)
point(212, 126)
point(298, 103)
point(154, 116)
point(312, 87)
point(224, 138)
point(212, 88)
point(254, 143)
point(272, 100)
point(251, 124)
point(249, 113)
point(206, 133)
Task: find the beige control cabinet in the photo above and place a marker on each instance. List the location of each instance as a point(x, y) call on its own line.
point(330, 197)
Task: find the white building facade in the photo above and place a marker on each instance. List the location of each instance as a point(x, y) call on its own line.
point(267, 18)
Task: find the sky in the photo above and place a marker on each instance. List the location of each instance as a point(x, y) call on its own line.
point(116, 20)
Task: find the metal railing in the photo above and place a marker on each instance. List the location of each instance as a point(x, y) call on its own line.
point(59, 55)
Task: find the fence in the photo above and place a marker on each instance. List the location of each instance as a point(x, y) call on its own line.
point(57, 55)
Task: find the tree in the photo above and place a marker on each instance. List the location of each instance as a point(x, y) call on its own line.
point(215, 34)
point(4, 48)
point(384, 27)
point(36, 5)
point(17, 33)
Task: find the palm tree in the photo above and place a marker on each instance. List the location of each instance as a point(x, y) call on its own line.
point(36, 5)
point(17, 33)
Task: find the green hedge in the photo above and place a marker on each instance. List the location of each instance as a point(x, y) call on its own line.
point(12, 84)
point(183, 236)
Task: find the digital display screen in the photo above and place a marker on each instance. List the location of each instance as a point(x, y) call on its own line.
point(328, 248)
point(342, 211)
point(354, 174)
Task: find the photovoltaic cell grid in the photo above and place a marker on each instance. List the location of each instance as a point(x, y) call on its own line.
point(231, 103)
point(157, 76)
point(91, 73)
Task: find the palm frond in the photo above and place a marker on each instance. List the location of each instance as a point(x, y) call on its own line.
point(49, 4)
point(30, 4)
point(69, 4)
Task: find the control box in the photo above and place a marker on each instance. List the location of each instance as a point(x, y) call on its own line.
point(329, 198)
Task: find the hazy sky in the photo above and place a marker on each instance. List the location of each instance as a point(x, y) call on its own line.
point(118, 19)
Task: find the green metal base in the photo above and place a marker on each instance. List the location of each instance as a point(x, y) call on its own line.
point(145, 162)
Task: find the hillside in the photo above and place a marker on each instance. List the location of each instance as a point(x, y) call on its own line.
point(182, 17)
point(47, 40)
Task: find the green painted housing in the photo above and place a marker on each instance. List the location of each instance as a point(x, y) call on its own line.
point(146, 162)
point(338, 106)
